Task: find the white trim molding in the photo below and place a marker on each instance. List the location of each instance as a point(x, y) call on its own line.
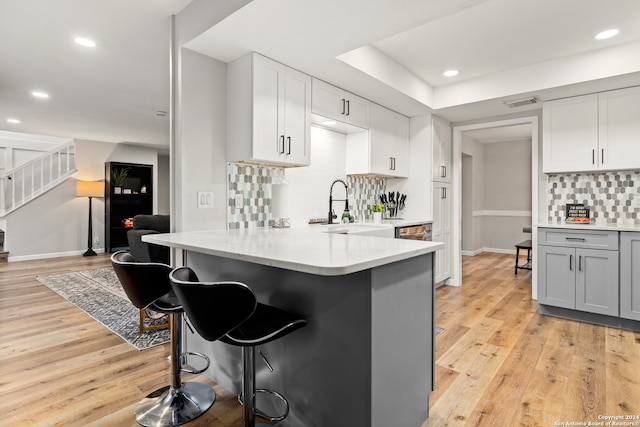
point(503, 213)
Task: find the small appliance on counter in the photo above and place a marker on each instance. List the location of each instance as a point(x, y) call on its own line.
point(280, 204)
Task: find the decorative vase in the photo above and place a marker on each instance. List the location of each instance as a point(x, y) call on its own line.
point(377, 217)
point(117, 190)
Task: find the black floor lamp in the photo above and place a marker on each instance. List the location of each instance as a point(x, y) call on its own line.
point(89, 189)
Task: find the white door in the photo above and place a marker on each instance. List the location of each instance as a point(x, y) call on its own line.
point(297, 124)
point(570, 134)
point(619, 129)
point(441, 231)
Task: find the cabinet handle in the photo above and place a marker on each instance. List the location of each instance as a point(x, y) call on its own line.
point(390, 163)
point(343, 105)
point(593, 157)
point(394, 163)
point(348, 106)
point(289, 145)
point(443, 171)
point(580, 263)
point(281, 139)
point(570, 262)
point(577, 239)
point(602, 158)
point(444, 193)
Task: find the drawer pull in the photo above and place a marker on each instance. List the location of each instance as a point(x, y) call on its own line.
point(577, 239)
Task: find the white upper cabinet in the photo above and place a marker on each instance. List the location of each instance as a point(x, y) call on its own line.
point(334, 103)
point(595, 132)
point(570, 134)
point(269, 112)
point(384, 149)
point(441, 151)
point(619, 129)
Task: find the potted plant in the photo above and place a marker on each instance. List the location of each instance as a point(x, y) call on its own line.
point(118, 175)
point(377, 213)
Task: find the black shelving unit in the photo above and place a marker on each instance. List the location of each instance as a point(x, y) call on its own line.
point(136, 197)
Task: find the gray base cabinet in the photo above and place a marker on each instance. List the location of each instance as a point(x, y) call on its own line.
point(556, 277)
point(597, 281)
point(579, 270)
point(630, 275)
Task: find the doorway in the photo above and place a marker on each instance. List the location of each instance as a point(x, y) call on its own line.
point(477, 208)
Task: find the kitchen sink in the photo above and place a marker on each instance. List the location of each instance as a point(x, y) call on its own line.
point(360, 229)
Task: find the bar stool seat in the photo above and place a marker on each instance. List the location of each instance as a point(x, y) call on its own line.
point(148, 285)
point(264, 324)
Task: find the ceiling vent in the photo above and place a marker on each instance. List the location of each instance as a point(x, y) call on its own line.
point(521, 102)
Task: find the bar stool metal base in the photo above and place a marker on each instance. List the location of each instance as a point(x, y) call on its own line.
point(168, 406)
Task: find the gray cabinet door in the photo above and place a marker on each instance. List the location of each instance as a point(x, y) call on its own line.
point(597, 281)
point(557, 276)
point(630, 275)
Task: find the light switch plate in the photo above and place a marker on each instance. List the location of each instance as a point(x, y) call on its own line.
point(205, 199)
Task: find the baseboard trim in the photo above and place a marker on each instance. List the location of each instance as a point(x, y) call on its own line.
point(50, 255)
point(494, 250)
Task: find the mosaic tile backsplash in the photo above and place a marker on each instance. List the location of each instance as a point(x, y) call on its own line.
point(612, 197)
point(364, 191)
point(255, 184)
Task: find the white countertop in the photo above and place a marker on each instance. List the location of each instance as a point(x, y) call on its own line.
point(305, 249)
point(601, 226)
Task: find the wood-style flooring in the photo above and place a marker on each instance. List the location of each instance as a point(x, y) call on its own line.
point(499, 363)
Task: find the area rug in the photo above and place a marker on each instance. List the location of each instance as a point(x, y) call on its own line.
point(99, 294)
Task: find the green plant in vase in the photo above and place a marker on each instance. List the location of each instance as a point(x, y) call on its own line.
point(118, 175)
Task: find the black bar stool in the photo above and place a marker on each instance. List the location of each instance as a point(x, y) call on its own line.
point(148, 285)
point(265, 324)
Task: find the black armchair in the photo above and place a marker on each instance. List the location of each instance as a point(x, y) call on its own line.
point(148, 224)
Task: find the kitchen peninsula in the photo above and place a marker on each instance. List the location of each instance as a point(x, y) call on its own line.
point(367, 355)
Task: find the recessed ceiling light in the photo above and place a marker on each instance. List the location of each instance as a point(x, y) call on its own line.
point(38, 94)
point(607, 34)
point(450, 73)
point(15, 121)
point(84, 42)
point(329, 123)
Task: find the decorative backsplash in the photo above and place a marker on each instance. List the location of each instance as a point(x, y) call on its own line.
point(254, 184)
point(612, 197)
point(364, 191)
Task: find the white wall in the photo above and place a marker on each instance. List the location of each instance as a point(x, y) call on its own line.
point(472, 239)
point(500, 192)
point(309, 186)
point(201, 153)
point(55, 224)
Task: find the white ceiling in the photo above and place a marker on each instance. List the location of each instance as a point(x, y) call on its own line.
point(109, 93)
point(390, 51)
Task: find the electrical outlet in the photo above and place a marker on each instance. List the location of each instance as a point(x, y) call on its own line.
point(239, 201)
point(96, 240)
point(205, 199)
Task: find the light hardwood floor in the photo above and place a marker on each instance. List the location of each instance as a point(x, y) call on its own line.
point(499, 363)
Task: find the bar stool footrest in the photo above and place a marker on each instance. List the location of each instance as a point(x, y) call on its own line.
point(261, 414)
point(190, 369)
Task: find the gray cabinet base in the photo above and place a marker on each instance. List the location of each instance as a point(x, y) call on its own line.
point(583, 316)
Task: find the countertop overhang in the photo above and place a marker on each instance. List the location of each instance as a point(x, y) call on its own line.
point(303, 249)
point(599, 226)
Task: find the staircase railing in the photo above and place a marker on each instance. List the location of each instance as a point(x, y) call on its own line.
point(24, 183)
